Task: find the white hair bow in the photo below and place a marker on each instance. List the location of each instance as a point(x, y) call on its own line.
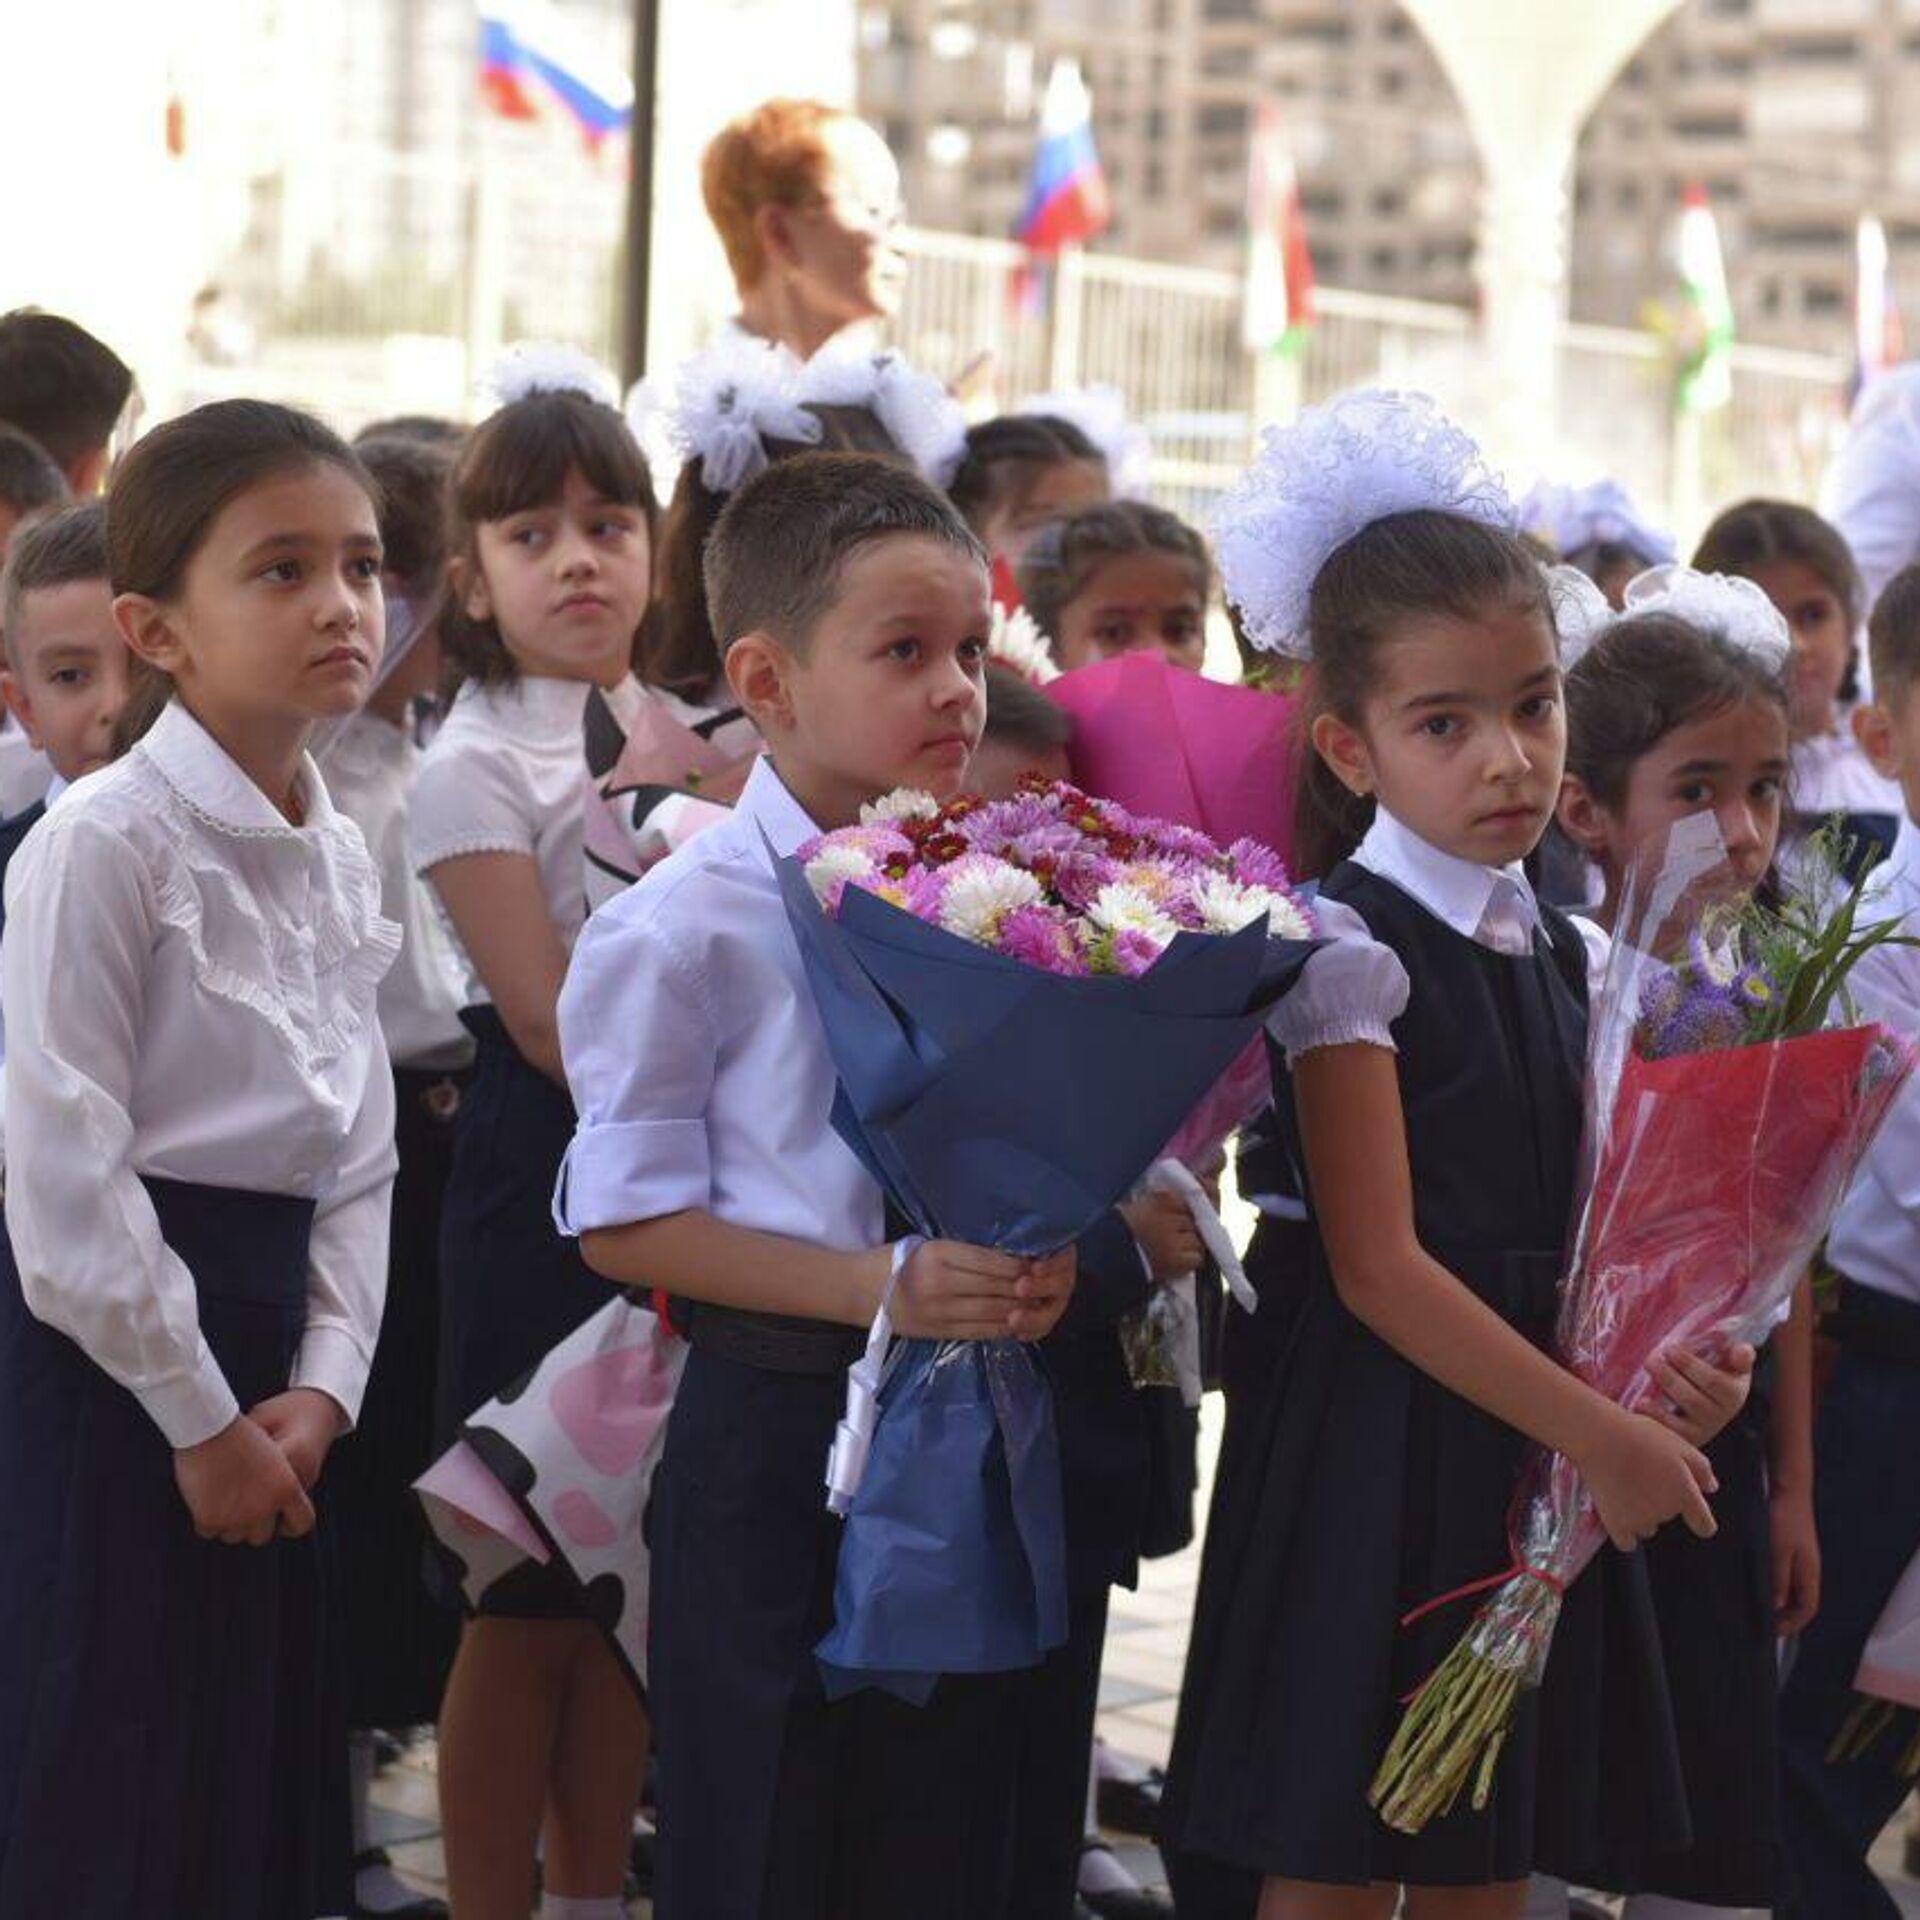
point(1329, 475)
point(528, 367)
point(1735, 609)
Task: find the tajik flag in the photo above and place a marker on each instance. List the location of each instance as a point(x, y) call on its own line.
point(1706, 378)
point(1879, 337)
point(1279, 285)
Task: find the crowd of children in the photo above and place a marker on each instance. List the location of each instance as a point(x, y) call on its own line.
point(394, 970)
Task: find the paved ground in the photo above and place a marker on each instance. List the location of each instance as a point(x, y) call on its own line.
point(1146, 1644)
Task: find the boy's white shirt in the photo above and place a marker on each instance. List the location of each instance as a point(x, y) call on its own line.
point(1876, 1234)
point(695, 1054)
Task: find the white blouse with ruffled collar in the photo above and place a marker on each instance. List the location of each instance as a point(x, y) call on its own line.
point(189, 992)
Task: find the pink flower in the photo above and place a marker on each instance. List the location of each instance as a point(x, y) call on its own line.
point(1042, 937)
point(1259, 866)
point(1134, 952)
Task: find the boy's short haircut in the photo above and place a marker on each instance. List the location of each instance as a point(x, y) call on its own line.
point(774, 558)
point(1021, 715)
point(57, 551)
point(414, 477)
point(59, 384)
point(1893, 637)
point(431, 429)
point(30, 478)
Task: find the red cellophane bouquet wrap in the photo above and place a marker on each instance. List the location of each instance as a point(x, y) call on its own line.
point(1730, 1097)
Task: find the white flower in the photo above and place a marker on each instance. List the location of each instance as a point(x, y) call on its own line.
point(1015, 640)
point(980, 893)
point(1120, 908)
point(835, 864)
point(903, 803)
point(1225, 905)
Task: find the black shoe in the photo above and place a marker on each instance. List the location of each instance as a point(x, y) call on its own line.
point(1131, 1806)
point(387, 1748)
point(1579, 1909)
point(640, 1862)
point(1123, 1903)
point(423, 1906)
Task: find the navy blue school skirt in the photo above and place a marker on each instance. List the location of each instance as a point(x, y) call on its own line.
point(171, 1739)
point(512, 1286)
point(399, 1639)
point(1714, 1603)
point(1362, 1489)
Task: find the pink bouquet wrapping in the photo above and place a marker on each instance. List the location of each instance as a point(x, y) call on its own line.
point(1162, 740)
point(1725, 1119)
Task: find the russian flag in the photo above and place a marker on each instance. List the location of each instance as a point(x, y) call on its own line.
point(532, 55)
point(1068, 199)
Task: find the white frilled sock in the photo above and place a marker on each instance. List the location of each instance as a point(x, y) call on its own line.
point(556, 1906)
point(1656, 1906)
point(1546, 1899)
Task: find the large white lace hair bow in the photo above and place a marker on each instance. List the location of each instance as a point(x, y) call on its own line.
point(1329, 475)
point(742, 391)
point(730, 400)
point(1602, 512)
point(528, 367)
point(1736, 609)
point(920, 416)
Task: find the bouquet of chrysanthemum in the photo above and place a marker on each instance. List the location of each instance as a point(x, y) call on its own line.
point(1730, 1097)
point(1024, 999)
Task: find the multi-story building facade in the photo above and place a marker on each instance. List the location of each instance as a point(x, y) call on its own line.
point(1796, 115)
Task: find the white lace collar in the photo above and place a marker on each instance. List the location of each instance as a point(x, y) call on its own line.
point(215, 789)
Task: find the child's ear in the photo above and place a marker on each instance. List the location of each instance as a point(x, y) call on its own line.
point(19, 705)
point(1582, 818)
point(148, 629)
point(1344, 749)
point(758, 671)
point(1873, 727)
point(467, 588)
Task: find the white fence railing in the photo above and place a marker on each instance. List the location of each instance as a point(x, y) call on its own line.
point(358, 315)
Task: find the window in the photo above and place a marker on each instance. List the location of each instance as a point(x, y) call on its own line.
point(1223, 116)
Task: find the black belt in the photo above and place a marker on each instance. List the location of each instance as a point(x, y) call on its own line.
point(777, 1342)
point(1880, 1326)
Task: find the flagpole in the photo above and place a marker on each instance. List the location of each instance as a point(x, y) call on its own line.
point(637, 293)
point(1063, 331)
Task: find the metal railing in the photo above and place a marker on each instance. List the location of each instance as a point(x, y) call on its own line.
point(384, 285)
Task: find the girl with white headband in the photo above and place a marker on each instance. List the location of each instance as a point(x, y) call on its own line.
point(1433, 1094)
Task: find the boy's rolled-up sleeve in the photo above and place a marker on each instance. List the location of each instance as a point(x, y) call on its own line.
point(639, 1038)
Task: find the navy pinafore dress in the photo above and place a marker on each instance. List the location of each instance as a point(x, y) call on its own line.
point(1369, 1488)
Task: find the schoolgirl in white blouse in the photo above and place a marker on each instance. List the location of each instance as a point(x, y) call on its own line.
point(550, 576)
point(200, 1160)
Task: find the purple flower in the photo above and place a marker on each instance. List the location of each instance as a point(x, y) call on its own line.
point(1081, 876)
point(1705, 1019)
point(1134, 952)
point(1259, 866)
point(1042, 937)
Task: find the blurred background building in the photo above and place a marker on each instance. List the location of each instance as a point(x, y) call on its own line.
point(315, 200)
point(1797, 116)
